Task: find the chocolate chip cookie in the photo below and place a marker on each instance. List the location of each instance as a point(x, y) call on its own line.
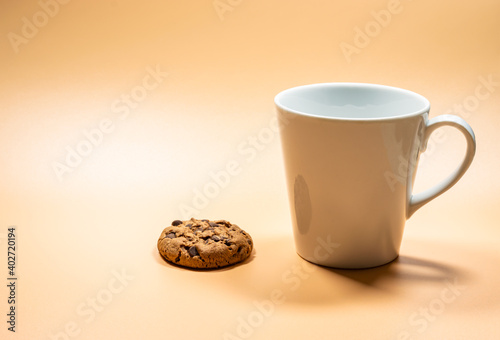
point(204, 244)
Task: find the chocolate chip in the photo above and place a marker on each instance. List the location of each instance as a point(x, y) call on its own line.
point(189, 225)
point(227, 243)
point(216, 238)
point(205, 220)
point(212, 224)
point(199, 230)
point(192, 251)
point(176, 222)
point(171, 235)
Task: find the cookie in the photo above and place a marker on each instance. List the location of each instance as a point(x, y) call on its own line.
point(204, 244)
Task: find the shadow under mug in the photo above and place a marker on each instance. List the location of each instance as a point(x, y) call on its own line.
point(351, 152)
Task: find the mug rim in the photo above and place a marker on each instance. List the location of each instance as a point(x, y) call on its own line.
point(425, 102)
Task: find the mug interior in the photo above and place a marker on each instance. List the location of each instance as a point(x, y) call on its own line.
point(352, 101)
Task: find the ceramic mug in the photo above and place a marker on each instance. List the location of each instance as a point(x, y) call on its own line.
point(351, 152)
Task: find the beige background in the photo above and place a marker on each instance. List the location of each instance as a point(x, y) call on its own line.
point(77, 232)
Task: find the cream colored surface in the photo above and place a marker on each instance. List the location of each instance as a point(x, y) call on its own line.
point(75, 236)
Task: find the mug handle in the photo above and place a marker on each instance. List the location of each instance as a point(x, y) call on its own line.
point(418, 200)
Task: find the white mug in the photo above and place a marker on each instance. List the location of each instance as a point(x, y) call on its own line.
point(350, 153)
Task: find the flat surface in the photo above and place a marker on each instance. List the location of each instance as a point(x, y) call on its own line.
point(86, 258)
